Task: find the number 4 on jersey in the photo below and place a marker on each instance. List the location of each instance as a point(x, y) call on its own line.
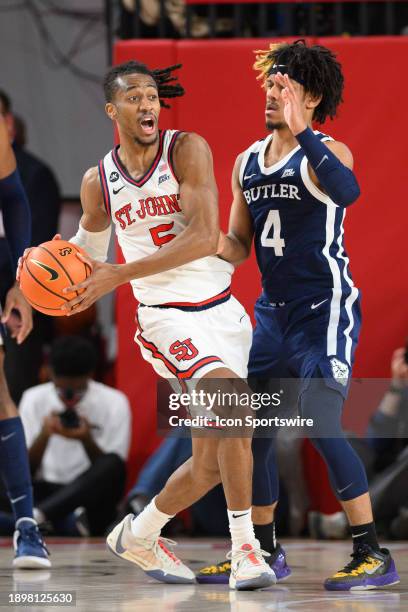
point(276, 242)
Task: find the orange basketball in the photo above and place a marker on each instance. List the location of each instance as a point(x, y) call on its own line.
point(48, 269)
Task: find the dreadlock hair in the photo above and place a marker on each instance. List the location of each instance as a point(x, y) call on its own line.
point(162, 77)
point(316, 67)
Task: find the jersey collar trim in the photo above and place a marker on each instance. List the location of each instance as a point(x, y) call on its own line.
point(282, 162)
point(123, 171)
point(278, 165)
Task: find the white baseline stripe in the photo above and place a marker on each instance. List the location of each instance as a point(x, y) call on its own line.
point(331, 208)
point(335, 270)
point(353, 294)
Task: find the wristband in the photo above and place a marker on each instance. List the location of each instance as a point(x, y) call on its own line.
point(337, 180)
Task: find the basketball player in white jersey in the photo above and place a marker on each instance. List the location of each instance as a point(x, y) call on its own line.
point(158, 188)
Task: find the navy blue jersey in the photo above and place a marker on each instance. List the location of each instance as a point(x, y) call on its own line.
point(298, 228)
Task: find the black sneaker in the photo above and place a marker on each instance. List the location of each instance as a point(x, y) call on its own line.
point(368, 569)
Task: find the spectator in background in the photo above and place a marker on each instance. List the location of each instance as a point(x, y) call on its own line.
point(388, 439)
point(23, 363)
point(174, 19)
point(77, 433)
point(384, 452)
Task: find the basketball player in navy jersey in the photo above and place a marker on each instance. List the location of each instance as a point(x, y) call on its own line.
point(158, 188)
point(291, 190)
point(30, 551)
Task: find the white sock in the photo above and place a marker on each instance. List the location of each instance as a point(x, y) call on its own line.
point(241, 527)
point(39, 516)
point(150, 521)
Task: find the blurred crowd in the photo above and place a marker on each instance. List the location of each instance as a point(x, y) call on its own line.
point(252, 21)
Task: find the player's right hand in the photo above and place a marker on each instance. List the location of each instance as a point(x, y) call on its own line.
point(25, 255)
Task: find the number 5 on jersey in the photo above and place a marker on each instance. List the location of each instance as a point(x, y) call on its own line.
point(276, 242)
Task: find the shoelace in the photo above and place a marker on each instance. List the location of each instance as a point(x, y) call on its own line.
point(258, 552)
point(359, 556)
point(33, 536)
point(162, 543)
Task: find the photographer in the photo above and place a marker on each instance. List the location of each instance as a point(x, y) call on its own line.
point(77, 433)
point(388, 438)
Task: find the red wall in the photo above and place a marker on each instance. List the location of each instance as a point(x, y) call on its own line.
point(224, 103)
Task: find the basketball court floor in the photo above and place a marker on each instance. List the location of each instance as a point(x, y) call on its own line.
point(102, 582)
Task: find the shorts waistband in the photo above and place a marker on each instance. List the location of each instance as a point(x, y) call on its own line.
point(220, 298)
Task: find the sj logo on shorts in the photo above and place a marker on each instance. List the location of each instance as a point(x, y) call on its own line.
point(184, 350)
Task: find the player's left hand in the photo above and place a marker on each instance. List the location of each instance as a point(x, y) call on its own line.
point(292, 98)
point(103, 279)
point(22, 325)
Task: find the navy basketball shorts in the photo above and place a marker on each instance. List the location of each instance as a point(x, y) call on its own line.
point(312, 336)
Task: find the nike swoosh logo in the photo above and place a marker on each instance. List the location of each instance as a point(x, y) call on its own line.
point(341, 490)
point(313, 306)
point(250, 176)
point(115, 191)
point(53, 273)
point(238, 515)
point(119, 548)
point(14, 501)
point(4, 438)
point(321, 161)
point(359, 534)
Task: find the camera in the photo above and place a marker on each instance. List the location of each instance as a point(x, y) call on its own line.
point(70, 397)
point(69, 419)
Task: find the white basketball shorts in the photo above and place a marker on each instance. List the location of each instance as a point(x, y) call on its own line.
point(189, 344)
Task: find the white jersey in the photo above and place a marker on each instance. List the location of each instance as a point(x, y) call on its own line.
point(147, 214)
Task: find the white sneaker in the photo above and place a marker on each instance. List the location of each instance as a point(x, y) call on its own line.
point(149, 554)
point(249, 569)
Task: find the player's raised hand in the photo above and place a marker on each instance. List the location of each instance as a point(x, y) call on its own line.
point(103, 279)
point(292, 98)
point(22, 326)
point(25, 255)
